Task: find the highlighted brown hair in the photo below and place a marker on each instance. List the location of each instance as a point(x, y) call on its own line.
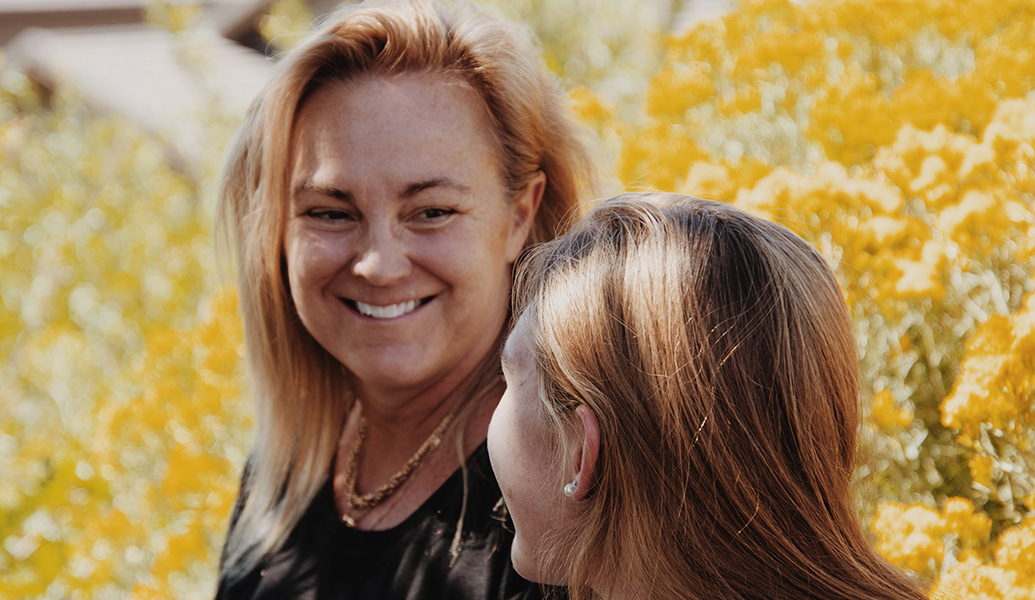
point(716, 351)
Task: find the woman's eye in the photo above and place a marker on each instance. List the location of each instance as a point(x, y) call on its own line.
point(435, 214)
point(329, 215)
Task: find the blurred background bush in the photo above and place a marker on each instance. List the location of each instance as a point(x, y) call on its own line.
point(896, 136)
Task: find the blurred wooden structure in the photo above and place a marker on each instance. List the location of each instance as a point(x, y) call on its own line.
point(18, 15)
point(118, 64)
point(104, 50)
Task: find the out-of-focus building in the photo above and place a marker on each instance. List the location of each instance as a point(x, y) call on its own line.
point(116, 63)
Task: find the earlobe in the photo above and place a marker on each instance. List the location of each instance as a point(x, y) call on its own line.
point(587, 459)
point(526, 206)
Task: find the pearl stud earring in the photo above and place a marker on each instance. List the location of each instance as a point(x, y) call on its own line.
point(569, 489)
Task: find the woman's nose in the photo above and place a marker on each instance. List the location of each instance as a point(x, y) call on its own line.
point(384, 259)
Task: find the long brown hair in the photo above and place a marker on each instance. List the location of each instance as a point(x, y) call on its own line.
point(301, 392)
point(715, 350)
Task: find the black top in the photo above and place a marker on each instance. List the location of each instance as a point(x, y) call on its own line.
point(324, 560)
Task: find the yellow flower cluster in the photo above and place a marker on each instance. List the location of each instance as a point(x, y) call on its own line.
point(996, 389)
point(955, 542)
point(787, 82)
point(992, 408)
point(121, 422)
point(1009, 573)
point(919, 538)
point(169, 451)
point(885, 414)
point(899, 138)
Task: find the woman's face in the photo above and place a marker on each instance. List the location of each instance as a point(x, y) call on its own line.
point(399, 238)
point(522, 448)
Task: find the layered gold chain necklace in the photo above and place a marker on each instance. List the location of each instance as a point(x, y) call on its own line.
point(370, 500)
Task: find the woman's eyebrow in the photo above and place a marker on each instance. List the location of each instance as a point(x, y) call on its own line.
point(324, 190)
point(408, 192)
point(415, 188)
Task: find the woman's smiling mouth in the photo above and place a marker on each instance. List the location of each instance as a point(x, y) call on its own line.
point(390, 311)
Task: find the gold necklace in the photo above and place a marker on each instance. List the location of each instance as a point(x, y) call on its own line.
point(372, 499)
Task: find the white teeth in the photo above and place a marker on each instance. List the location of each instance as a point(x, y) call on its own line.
point(386, 312)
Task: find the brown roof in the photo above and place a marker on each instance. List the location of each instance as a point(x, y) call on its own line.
point(146, 75)
point(231, 18)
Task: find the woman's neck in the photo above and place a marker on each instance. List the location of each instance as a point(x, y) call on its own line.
point(408, 417)
point(391, 440)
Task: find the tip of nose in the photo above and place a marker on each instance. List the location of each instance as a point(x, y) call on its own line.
point(381, 269)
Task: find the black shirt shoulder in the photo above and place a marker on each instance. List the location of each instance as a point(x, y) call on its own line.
point(325, 560)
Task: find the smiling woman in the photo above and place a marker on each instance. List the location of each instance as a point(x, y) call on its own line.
point(395, 180)
point(377, 197)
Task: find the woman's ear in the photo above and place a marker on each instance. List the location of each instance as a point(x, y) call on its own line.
point(587, 455)
point(525, 207)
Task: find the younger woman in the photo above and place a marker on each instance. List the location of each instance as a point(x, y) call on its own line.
point(681, 411)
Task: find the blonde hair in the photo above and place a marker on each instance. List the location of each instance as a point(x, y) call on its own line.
point(301, 392)
point(716, 351)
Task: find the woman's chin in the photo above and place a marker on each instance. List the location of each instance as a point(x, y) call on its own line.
point(388, 380)
point(534, 569)
point(390, 368)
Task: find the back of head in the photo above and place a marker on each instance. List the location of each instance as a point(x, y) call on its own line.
point(301, 391)
point(716, 352)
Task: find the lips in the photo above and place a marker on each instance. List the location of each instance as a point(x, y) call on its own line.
point(390, 311)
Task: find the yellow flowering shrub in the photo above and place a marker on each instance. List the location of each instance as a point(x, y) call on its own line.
point(898, 138)
point(122, 426)
point(918, 537)
point(1008, 573)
